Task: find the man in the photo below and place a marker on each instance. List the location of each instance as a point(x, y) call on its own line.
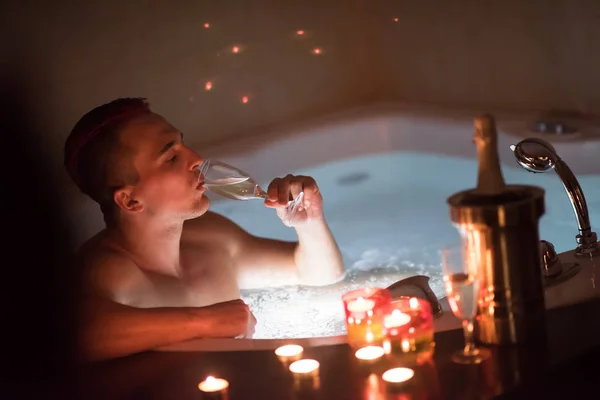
point(165, 269)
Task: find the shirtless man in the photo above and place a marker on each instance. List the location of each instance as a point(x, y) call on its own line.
point(165, 269)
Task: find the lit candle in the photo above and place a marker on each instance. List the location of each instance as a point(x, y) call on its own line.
point(317, 51)
point(397, 375)
point(396, 319)
point(245, 99)
point(214, 388)
point(360, 305)
point(208, 86)
point(414, 303)
point(289, 352)
point(306, 367)
point(369, 353)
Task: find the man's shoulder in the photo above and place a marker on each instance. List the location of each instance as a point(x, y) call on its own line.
point(215, 230)
point(104, 269)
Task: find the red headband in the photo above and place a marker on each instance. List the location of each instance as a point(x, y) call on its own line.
point(84, 134)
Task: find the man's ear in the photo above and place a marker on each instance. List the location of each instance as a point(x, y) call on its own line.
point(124, 198)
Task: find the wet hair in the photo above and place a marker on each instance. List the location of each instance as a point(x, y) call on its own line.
point(94, 156)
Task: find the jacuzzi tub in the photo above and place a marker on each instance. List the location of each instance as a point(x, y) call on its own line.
point(385, 175)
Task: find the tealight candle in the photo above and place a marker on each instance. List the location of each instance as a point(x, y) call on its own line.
point(214, 388)
point(289, 352)
point(408, 327)
point(306, 367)
point(369, 353)
point(364, 310)
point(396, 319)
point(398, 375)
point(360, 306)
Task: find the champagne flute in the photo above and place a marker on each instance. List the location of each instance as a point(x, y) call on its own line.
point(233, 183)
point(461, 281)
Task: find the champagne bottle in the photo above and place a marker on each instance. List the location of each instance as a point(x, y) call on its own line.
point(490, 181)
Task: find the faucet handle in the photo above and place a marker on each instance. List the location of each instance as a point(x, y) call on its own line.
point(550, 261)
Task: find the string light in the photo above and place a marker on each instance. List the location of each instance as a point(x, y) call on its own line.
point(239, 48)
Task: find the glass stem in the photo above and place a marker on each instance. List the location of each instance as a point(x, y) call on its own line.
point(260, 193)
point(469, 342)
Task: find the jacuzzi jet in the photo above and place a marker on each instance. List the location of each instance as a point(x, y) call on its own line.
point(353, 179)
point(553, 128)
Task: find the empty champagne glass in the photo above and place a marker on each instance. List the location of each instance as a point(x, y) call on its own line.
point(230, 182)
point(461, 281)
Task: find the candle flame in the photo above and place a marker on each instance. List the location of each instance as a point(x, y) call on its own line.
point(414, 303)
point(210, 378)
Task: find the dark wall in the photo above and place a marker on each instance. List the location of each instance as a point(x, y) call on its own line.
point(38, 288)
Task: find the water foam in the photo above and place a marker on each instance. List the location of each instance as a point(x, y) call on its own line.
point(301, 311)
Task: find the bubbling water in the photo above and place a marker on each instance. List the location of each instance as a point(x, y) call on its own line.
point(304, 311)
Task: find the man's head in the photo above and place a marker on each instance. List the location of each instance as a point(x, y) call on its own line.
point(131, 160)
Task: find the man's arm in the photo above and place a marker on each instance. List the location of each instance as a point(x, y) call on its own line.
point(317, 255)
point(109, 329)
point(111, 326)
point(314, 260)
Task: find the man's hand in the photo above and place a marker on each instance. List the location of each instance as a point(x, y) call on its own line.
point(231, 319)
point(282, 190)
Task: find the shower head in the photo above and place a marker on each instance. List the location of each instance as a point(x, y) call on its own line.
point(535, 155)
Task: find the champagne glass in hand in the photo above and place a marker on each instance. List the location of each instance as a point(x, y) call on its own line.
point(462, 287)
point(230, 182)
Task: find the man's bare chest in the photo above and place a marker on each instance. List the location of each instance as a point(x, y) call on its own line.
point(207, 277)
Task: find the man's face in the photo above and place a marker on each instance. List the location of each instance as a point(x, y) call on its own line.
point(167, 169)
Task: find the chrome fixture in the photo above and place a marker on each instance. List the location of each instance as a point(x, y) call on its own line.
point(536, 155)
point(554, 271)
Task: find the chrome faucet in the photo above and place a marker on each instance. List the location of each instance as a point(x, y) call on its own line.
point(536, 155)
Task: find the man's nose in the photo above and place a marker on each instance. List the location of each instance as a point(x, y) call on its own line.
point(195, 161)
